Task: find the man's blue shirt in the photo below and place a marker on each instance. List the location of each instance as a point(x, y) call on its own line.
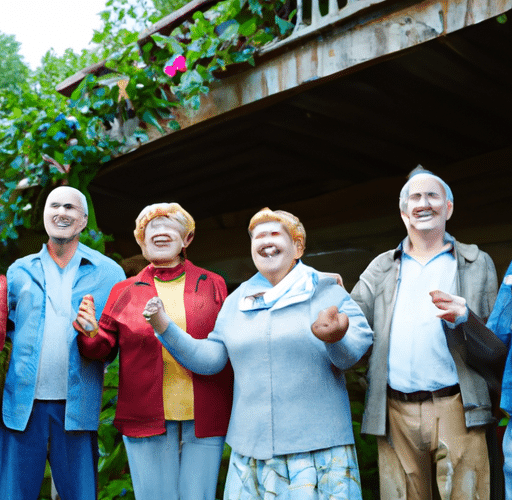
point(27, 295)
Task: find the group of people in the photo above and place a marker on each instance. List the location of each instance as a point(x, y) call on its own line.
point(262, 368)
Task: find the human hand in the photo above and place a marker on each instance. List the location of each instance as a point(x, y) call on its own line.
point(85, 321)
point(330, 325)
point(453, 306)
point(155, 315)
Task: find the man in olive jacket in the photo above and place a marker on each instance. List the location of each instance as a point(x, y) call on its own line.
point(425, 404)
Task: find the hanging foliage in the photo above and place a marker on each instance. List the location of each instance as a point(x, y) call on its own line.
point(46, 140)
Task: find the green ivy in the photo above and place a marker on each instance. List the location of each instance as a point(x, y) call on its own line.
point(38, 124)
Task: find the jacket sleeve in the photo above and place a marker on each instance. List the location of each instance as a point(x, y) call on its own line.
point(500, 320)
point(104, 345)
point(362, 294)
point(221, 290)
point(491, 286)
point(480, 349)
point(356, 341)
point(365, 289)
point(4, 310)
point(204, 356)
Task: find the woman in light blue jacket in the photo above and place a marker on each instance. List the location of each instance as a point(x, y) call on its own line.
point(289, 333)
point(500, 322)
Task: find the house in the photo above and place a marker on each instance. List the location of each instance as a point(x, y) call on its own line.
point(327, 125)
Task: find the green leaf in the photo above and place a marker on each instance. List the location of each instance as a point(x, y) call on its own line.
point(174, 125)
point(130, 37)
point(230, 32)
point(255, 6)
point(194, 102)
point(148, 117)
point(98, 37)
point(146, 48)
point(176, 47)
point(17, 163)
point(243, 56)
point(249, 27)
point(502, 19)
point(283, 25)
point(198, 15)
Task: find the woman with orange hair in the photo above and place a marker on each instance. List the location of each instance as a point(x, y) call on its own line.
point(289, 333)
point(172, 420)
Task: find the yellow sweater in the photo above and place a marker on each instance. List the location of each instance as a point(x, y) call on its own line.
point(177, 387)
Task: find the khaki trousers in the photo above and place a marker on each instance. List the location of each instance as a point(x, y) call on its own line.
point(429, 440)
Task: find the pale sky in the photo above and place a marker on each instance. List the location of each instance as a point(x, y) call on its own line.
point(43, 24)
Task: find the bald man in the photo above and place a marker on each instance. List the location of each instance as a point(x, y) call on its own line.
point(52, 395)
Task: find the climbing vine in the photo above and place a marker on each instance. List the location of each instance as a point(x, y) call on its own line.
point(46, 140)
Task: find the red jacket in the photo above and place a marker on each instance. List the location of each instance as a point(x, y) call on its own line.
point(140, 408)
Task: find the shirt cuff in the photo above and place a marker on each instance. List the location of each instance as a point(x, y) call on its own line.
point(459, 320)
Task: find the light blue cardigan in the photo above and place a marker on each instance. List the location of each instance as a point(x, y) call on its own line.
point(289, 392)
point(96, 275)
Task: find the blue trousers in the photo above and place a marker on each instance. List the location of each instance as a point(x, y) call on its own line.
point(176, 465)
point(73, 456)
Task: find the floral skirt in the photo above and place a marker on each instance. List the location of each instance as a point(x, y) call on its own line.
point(330, 474)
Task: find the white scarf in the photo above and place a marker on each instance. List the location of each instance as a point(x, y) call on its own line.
point(297, 286)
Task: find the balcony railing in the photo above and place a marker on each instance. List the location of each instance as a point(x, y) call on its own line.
point(313, 15)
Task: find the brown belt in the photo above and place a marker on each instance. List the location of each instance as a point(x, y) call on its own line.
point(420, 396)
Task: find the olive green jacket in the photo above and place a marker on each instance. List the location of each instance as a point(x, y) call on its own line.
point(375, 293)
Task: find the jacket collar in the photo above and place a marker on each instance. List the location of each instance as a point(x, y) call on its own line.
point(468, 252)
point(88, 257)
point(148, 274)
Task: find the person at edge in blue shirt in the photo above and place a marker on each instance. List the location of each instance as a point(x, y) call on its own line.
point(52, 395)
point(500, 322)
point(289, 333)
point(428, 408)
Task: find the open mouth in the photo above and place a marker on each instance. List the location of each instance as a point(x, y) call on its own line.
point(62, 221)
point(424, 214)
point(161, 241)
point(269, 251)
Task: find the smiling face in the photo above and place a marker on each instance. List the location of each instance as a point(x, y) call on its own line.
point(427, 207)
point(163, 242)
point(64, 214)
point(273, 251)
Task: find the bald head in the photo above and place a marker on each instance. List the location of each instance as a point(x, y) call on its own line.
point(417, 174)
point(69, 191)
point(65, 214)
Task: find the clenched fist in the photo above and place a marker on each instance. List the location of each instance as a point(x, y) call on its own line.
point(330, 325)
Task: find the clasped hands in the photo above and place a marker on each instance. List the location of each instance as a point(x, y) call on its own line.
point(85, 321)
point(329, 327)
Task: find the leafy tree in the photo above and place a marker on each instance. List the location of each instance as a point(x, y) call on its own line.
point(122, 21)
point(13, 71)
point(166, 7)
point(46, 139)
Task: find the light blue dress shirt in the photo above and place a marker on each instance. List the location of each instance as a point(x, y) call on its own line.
point(419, 358)
point(52, 375)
